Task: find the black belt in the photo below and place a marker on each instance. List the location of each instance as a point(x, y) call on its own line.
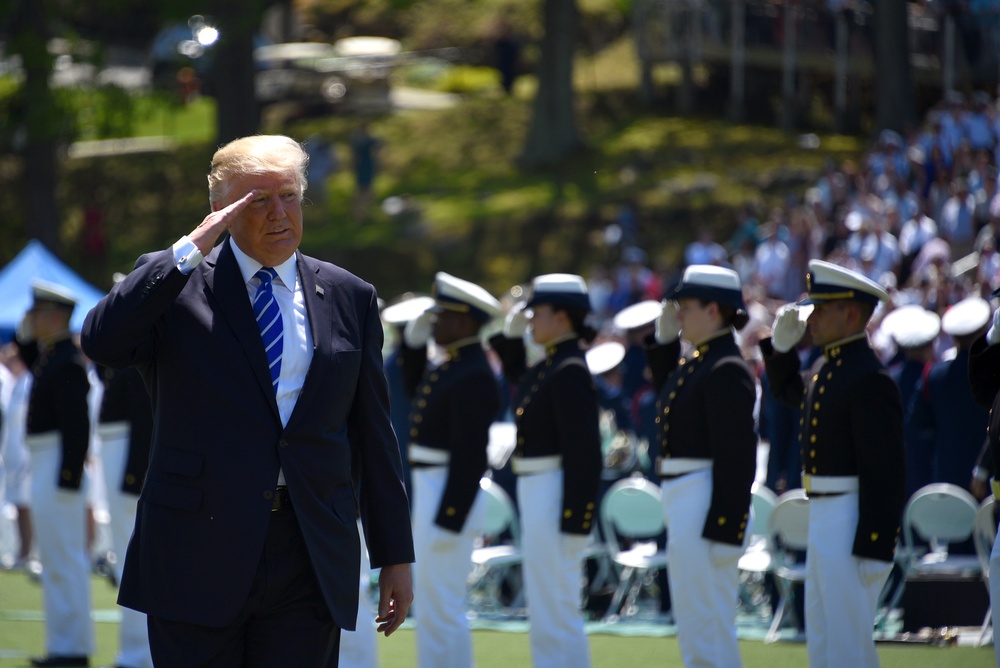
point(815, 495)
point(282, 501)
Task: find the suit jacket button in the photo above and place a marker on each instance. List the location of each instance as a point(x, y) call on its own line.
point(268, 494)
point(282, 443)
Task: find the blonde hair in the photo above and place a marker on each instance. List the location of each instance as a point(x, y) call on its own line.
point(256, 154)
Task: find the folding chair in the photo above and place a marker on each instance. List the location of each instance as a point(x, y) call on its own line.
point(756, 560)
point(632, 510)
point(984, 535)
point(788, 532)
point(941, 514)
point(493, 562)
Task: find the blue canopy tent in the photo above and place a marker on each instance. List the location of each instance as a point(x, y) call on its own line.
point(33, 262)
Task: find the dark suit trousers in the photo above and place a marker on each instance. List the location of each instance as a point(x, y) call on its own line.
point(284, 622)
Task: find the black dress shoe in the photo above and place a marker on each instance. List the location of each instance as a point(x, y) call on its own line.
point(56, 661)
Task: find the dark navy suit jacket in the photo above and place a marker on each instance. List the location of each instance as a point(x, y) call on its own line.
point(218, 441)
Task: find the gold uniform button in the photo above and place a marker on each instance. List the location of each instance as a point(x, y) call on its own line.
point(567, 513)
point(840, 362)
point(829, 375)
point(586, 525)
point(814, 470)
point(422, 403)
point(802, 421)
point(450, 512)
point(657, 420)
point(815, 422)
point(520, 411)
point(874, 536)
point(740, 535)
point(816, 406)
point(812, 439)
point(666, 411)
point(673, 395)
point(434, 376)
point(66, 475)
point(427, 389)
point(680, 382)
point(588, 516)
point(591, 506)
point(812, 453)
point(130, 479)
point(815, 377)
point(413, 432)
point(822, 389)
point(534, 388)
point(722, 521)
point(743, 525)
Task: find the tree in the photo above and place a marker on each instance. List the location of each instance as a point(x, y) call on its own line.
point(39, 121)
point(233, 71)
point(894, 106)
point(553, 135)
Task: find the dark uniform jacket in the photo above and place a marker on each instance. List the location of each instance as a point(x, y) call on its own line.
point(705, 411)
point(452, 408)
point(984, 377)
point(852, 425)
point(125, 400)
point(945, 410)
point(555, 409)
point(58, 402)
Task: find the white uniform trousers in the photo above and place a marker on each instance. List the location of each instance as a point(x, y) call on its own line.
point(841, 590)
point(995, 594)
point(61, 535)
point(703, 575)
point(358, 648)
point(552, 575)
point(133, 636)
point(440, 573)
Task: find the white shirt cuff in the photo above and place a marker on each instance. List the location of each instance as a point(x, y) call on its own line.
point(187, 256)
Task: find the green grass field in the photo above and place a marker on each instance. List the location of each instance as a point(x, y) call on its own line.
point(22, 636)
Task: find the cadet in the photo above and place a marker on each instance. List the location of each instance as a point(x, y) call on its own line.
point(557, 460)
point(852, 453)
point(58, 435)
point(984, 376)
point(708, 457)
point(453, 405)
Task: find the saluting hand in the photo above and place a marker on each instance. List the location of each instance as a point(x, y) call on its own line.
point(516, 322)
point(668, 327)
point(993, 335)
point(418, 330)
point(217, 222)
point(788, 328)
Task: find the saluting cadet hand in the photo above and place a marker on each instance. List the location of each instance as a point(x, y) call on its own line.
point(418, 330)
point(788, 328)
point(516, 323)
point(993, 335)
point(668, 328)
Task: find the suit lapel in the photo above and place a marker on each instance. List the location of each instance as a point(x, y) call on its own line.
point(318, 308)
point(224, 284)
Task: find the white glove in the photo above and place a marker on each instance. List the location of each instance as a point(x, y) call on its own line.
point(25, 331)
point(418, 330)
point(668, 329)
point(993, 335)
point(516, 323)
point(788, 328)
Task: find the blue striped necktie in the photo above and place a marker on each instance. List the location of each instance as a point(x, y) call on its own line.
point(265, 309)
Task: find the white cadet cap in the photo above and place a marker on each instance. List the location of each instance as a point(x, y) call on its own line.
point(46, 292)
point(966, 317)
point(826, 282)
point(408, 307)
point(455, 294)
point(911, 326)
point(638, 315)
point(710, 283)
point(604, 357)
point(563, 290)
